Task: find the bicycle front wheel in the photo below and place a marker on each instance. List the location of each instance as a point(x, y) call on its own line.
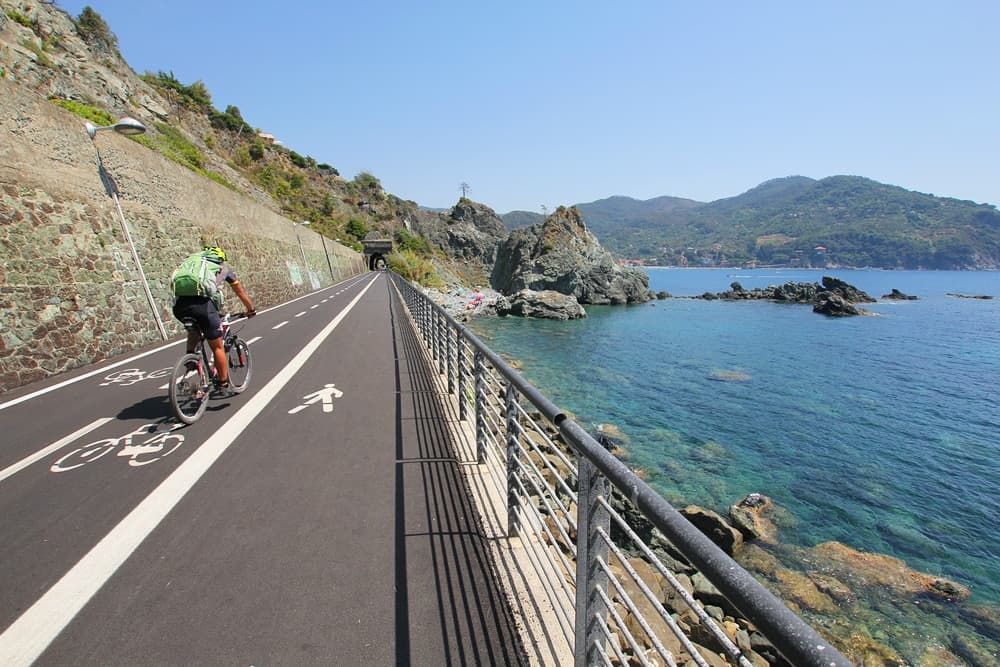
point(239, 366)
point(189, 389)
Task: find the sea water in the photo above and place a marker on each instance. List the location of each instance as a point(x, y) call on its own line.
point(881, 432)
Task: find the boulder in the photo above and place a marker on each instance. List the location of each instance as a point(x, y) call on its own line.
point(747, 516)
point(547, 304)
point(715, 527)
point(834, 305)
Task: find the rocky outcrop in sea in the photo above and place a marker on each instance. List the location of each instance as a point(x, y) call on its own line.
point(832, 296)
point(562, 255)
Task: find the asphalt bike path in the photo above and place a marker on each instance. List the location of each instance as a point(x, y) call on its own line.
point(49, 520)
point(322, 522)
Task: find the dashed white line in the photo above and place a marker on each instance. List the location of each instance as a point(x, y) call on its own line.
point(279, 325)
point(301, 314)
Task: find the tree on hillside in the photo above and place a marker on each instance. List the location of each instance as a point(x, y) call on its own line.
point(95, 31)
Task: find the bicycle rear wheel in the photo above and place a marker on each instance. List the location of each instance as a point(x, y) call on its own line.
point(239, 366)
point(189, 389)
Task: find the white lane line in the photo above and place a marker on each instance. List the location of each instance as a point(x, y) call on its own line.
point(279, 325)
point(314, 306)
point(29, 636)
point(42, 453)
point(96, 371)
point(253, 340)
point(301, 314)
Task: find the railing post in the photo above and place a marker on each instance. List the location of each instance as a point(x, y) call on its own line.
point(442, 326)
point(513, 463)
point(463, 410)
point(449, 339)
point(590, 551)
point(432, 341)
point(479, 385)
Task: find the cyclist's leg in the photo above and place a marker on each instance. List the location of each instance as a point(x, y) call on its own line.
point(213, 334)
point(194, 308)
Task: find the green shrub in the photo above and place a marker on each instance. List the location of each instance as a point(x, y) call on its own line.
point(18, 17)
point(256, 150)
point(196, 95)
point(93, 114)
point(94, 30)
point(38, 51)
point(413, 243)
point(356, 228)
point(414, 268)
point(175, 146)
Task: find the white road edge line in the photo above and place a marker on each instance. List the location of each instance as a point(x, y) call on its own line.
point(98, 371)
point(42, 453)
point(28, 637)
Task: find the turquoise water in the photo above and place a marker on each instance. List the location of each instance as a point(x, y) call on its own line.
point(882, 433)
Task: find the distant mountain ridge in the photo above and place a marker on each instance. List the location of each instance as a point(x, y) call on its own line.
point(798, 221)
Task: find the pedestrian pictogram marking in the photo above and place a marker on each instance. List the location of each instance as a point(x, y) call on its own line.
point(324, 395)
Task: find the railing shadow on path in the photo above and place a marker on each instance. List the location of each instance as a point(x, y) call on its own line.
point(436, 522)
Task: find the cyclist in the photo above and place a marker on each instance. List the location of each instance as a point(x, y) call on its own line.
point(205, 311)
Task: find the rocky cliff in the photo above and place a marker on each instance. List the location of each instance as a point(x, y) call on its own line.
point(468, 234)
point(71, 289)
point(562, 255)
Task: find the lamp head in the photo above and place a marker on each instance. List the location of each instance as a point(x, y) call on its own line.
point(125, 126)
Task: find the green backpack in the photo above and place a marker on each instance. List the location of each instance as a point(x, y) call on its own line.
point(196, 276)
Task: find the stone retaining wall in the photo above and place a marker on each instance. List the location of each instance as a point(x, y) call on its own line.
point(71, 293)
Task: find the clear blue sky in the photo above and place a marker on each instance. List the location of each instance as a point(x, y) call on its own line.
point(548, 103)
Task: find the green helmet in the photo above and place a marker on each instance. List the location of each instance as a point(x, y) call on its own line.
point(215, 253)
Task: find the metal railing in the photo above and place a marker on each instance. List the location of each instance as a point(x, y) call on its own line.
point(616, 561)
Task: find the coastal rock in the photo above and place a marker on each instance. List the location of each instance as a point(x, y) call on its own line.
point(896, 295)
point(834, 305)
point(715, 527)
point(748, 517)
point(831, 296)
point(561, 255)
point(547, 304)
point(847, 292)
point(468, 235)
point(969, 296)
point(868, 570)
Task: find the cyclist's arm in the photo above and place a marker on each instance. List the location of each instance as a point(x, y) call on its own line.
point(242, 294)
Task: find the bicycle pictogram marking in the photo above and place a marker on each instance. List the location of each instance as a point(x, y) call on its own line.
point(129, 376)
point(139, 454)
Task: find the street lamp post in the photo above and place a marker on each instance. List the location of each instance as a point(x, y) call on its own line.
point(325, 252)
point(301, 249)
point(125, 126)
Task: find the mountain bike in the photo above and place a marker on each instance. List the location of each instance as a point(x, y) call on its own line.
point(193, 380)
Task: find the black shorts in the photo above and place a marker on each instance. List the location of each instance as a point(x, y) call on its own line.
point(203, 311)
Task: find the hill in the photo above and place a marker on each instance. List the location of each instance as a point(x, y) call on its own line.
point(799, 221)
